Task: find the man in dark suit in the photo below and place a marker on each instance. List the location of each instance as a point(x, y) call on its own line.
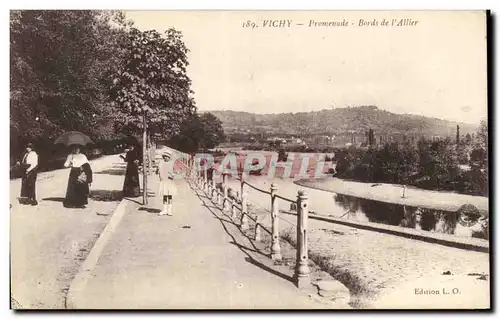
point(29, 167)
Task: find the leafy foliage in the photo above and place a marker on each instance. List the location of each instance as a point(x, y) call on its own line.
point(429, 165)
point(213, 131)
point(482, 134)
point(154, 81)
point(371, 137)
point(91, 71)
point(61, 66)
point(198, 132)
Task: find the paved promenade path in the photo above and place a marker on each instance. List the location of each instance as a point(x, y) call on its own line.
point(192, 260)
point(49, 242)
point(198, 258)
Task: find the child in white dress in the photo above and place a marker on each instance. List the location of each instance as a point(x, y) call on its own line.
point(167, 188)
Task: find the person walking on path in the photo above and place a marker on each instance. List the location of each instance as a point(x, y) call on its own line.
point(131, 186)
point(167, 188)
point(29, 166)
point(80, 178)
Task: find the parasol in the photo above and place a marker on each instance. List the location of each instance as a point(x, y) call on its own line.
point(73, 138)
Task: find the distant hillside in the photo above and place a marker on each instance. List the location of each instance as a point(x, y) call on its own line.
point(339, 121)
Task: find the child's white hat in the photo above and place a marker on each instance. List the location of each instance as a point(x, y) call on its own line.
point(166, 154)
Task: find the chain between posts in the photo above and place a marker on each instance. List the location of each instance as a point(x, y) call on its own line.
point(221, 198)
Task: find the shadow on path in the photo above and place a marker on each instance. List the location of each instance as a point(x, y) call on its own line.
point(150, 210)
point(245, 249)
point(138, 199)
point(54, 199)
point(103, 195)
point(132, 200)
point(242, 247)
point(119, 172)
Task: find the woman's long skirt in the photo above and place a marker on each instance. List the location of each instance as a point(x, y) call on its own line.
point(131, 184)
point(77, 193)
point(28, 185)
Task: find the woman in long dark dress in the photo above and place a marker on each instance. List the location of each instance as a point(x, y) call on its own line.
point(80, 178)
point(131, 186)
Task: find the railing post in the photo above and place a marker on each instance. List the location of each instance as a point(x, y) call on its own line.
point(242, 188)
point(275, 246)
point(212, 195)
point(202, 180)
point(193, 172)
point(244, 211)
point(224, 190)
point(224, 186)
point(208, 188)
point(301, 267)
point(190, 165)
point(233, 209)
point(257, 229)
point(205, 175)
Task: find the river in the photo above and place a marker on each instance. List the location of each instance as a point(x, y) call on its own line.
point(330, 204)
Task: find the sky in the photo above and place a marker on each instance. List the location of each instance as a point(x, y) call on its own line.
point(435, 67)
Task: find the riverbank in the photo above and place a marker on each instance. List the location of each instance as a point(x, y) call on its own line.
point(325, 203)
point(376, 267)
point(389, 193)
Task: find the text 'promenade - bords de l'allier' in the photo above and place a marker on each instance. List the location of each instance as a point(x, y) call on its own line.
point(405, 22)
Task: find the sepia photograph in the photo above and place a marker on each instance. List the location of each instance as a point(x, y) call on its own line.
point(249, 160)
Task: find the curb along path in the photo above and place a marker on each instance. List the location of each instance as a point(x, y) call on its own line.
point(80, 281)
point(49, 242)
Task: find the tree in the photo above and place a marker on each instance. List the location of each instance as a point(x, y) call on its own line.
point(198, 132)
point(282, 155)
point(482, 134)
point(371, 137)
point(477, 178)
point(154, 82)
point(438, 165)
point(61, 66)
point(409, 164)
point(212, 129)
point(468, 139)
point(479, 155)
point(395, 163)
point(153, 89)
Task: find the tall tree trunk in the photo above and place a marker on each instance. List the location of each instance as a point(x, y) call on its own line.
point(144, 160)
point(150, 152)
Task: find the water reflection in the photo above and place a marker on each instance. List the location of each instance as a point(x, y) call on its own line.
point(362, 210)
point(411, 217)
